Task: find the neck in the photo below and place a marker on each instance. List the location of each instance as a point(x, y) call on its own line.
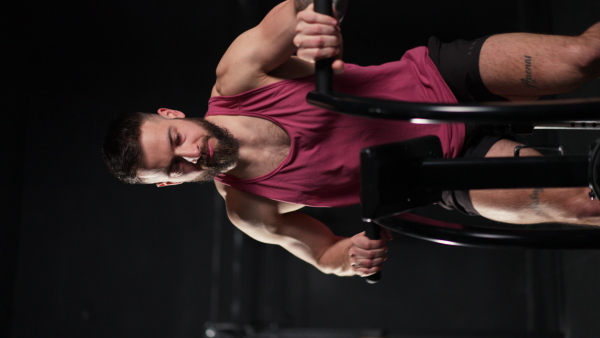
point(263, 145)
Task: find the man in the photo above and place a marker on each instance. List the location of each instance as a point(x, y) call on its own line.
point(270, 153)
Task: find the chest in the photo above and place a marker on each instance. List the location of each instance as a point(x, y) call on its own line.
point(269, 147)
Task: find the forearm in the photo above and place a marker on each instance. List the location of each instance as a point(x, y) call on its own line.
point(336, 259)
point(305, 237)
point(312, 241)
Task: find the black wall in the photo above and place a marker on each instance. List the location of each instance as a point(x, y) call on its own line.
point(83, 255)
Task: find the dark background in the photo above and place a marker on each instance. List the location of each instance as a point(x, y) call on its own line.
point(83, 255)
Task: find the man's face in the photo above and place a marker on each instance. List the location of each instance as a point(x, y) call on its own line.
point(180, 150)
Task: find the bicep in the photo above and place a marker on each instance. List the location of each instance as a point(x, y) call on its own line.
point(274, 36)
point(261, 219)
point(258, 51)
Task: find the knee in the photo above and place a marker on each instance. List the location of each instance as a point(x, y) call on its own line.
point(584, 211)
point(593, 31)
point(586, 50)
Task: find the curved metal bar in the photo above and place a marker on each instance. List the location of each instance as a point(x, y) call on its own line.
point(493, 238)
point(489, 112)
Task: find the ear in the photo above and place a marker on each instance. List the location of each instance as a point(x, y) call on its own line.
point(170, 113)
point(166, 184)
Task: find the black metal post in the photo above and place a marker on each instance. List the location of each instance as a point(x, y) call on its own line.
point(323, 71)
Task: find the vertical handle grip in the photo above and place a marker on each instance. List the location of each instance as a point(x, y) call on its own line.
point(324, 85)
point(373, 232)
point(323, 71)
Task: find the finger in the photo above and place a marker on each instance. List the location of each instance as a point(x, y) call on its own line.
point(386, 234)
point(316, 29)
point(374, 251)
point(338, 66)
point(310, 16)
point(364, 272)
point(317, 41)
point(367, 263)
point(315, 54)
point(357, 254)
point(363, 242)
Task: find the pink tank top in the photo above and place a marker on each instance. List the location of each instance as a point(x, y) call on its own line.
point(323, 165)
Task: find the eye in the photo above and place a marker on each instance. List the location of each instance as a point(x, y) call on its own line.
point(175, 138)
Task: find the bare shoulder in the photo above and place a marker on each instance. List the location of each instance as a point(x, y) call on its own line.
point(245, 207)
point(251, 57)
point(238, 71)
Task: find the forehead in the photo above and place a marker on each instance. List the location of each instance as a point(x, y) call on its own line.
point(154, 135)
point(156, 146)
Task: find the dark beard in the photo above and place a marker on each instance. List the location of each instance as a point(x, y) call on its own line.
point(225, 155)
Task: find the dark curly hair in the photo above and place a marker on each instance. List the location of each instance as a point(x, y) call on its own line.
point(121, 148)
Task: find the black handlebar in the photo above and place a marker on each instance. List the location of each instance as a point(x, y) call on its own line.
point(323, 71)
point(324, 85)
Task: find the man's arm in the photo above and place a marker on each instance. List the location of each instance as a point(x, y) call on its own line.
point(278, 223)
point(256, 53)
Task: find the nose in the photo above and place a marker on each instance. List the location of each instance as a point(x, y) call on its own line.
point(190, 153)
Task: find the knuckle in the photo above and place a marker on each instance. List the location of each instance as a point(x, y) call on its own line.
point(352, 251)
point(307, 16)
point(320, 29)
point(310, 55)
point(303, 15)
point(368, 246)
point(320, 41)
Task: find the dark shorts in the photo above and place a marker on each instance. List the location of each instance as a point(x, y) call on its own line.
point(458, 63)
point(478, 141)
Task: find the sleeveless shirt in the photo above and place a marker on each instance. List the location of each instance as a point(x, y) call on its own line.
point(322, 167)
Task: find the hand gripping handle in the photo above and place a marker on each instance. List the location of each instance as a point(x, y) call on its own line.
point(323, 71)
point(324, 85)
point(373, 232)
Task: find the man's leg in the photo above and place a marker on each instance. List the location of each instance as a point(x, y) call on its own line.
point(530, 206)
point(522, 66)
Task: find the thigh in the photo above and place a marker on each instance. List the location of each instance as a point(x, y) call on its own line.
point(530, 206)
point(523, 66)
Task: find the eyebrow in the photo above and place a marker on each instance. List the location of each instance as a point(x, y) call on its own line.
point(170, 135)
point(170, 139)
